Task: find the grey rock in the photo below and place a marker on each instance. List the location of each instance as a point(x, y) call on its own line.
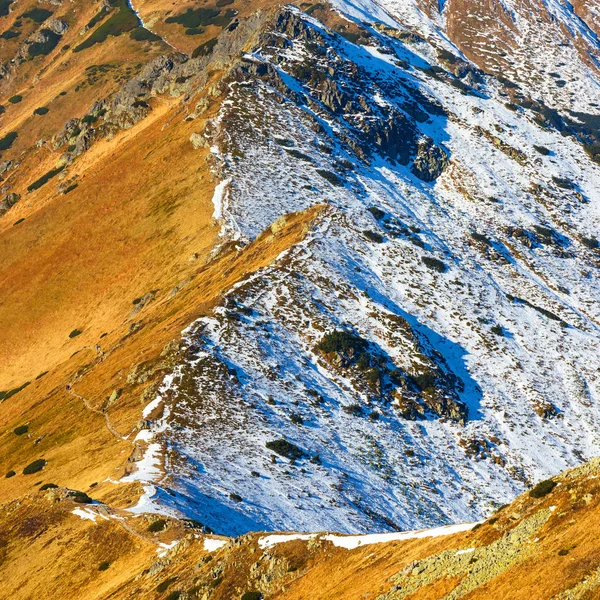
point(430, 161)
point(198, 141)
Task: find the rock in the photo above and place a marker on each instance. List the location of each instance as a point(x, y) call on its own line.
point(430, 161)
point(5, 166)
point(9, 201)
point(171, 348)
point(179, 287)
point(114, 397)
point(198, 141)
point(408, 407)
point(201, 107)
point(393, 137)
point(142, 302)
point(57, 26)
point(278, 224)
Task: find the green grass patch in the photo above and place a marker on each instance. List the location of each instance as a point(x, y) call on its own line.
point(141, 34)
point(7, 141)
point(35, 467)
point(44, 48)
point(4, 7)
point(79, 497)
point(285, 448)
point(434, 264)
point(9, 35)
point(158, 525)
point(164, 585)
point(195, 17)
point(44, 179)
point(341, 341)
point(373, 236)
point(48, 486)
point(10, 393)
point(203, 17)
point(331, 177)
point(39, 15)
point(204, 49)
point(543, 488)
point(118, 23)
point(99, 16)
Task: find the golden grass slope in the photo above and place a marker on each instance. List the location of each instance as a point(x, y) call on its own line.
point(139, 221)
point(534, 549)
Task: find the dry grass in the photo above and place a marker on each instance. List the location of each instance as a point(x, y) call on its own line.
point(44, 547)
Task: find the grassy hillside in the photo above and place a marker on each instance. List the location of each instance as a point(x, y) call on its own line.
point(541, 546)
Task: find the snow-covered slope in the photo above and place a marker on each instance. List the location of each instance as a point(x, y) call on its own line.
point(432, 347)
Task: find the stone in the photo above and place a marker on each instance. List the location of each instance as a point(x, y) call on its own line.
point(198, 141)
point(430, 161)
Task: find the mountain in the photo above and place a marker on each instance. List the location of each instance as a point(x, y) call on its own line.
point(295, 268)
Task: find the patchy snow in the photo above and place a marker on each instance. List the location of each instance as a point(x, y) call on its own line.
point(86, 513)
point(350, 542)
point(220, 199)
point(163, 548)
point(510, 327)
point(151, 407)
point(148, 470)
point(213, 544)
point(271, 540)
point(354, 541)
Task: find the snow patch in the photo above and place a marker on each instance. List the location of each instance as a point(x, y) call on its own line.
point(212, 544)
point(351, 542)
point(86, 513)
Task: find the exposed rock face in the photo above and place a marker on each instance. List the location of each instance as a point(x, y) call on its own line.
point(198, 141)
point(5, 166)
point(430, 161)
point(57, 26)
point(8, 202)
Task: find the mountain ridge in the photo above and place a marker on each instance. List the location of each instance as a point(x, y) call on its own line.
point(327, 267)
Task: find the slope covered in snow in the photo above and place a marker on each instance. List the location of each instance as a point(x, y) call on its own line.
point(431, 348)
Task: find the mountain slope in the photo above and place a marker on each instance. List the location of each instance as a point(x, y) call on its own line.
point(328, 267)
point(456, 255)
point(541, 546)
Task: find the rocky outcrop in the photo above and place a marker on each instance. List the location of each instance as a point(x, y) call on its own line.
point(8, 202)
point(430, 161)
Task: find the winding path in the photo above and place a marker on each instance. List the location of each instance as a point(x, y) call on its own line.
point(87, 404)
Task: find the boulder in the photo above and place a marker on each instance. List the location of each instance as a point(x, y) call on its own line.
point(430, 161)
